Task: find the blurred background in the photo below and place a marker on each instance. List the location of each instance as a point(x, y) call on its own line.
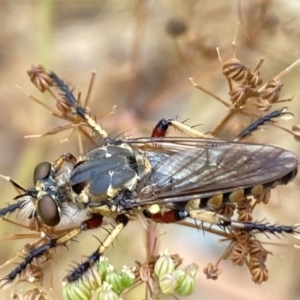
point(143, 53)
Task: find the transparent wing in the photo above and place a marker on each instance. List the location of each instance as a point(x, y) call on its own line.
point(185, 169)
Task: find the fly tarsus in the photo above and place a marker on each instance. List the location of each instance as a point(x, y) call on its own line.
point(263, 227)
point(12, 207)
point(82, 268)
point(68, 95)
point(79, 110)
point(27, 260)
point(261, 121)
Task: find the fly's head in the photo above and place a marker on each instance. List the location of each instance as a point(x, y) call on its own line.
point(50, 198)
point(48, 205)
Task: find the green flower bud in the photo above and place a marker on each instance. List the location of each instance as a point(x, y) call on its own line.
point(106, 293)
point(179, 274)
point(164, 265)
point(92, 279)
point(76, 292)
point(114, 279)
point(127, 277)
point(186, 286)
point(103, 265)
point(168, 283)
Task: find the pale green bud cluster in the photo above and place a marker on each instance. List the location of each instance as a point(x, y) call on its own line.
point(102, 278)
point(174, 281)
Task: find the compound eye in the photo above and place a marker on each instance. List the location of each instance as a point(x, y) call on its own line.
point(48, 211)
point(41, 171)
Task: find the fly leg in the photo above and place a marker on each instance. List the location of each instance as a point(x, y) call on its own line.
point(74, 104)
point(94, 222)
point(261, 121)
point(83, 268)
point(201, 215)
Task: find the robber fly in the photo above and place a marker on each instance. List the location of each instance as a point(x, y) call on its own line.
point(164, 179)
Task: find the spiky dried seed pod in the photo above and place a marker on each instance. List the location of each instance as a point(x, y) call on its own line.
point(235, 70)
point(63, 105)
point(262, 104)
point(271, 92)
point(33, 273)
point(40, 78)
point(257, 250)
point(239, 253)
point(212, 271)
point(176, 27)
point(241, 236)
point(176, 259)
point(239, 95)
point(244, 209)
point(35, 294)
point(258, 270)
point(227, 209)
point(254, 79)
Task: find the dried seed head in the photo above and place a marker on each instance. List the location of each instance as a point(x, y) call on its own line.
point(235, 70)
point(176, 27)
point(272, 90)
point(227, 209)
point(239, 253)
point(244, 209)
point(176, 259)
point(239, 95)
point(254, 79)
point(35, 294)
point(257, 250)
point(258, 270)
point(34, 274)
point(241, 236)
point(263, 104)
point(63, 105)
point(40, 78)
point(212, 271)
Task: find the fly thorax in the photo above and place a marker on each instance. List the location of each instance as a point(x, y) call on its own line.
point(108, 172)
